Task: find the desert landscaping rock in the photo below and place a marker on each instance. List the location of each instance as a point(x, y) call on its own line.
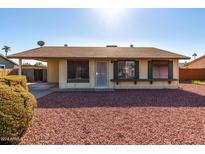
point(121, 117)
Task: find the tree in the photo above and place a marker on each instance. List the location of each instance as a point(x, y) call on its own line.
point(194, 55)
point(39, 64)
point(6, 49)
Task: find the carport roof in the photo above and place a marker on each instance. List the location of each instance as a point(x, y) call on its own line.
point(97, 52)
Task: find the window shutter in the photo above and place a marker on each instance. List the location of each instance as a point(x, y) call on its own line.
point(170, 70)
point(136, 69)
point(115, 70)
point(150, 74)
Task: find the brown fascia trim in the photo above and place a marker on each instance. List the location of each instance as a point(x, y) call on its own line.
point(117, 58)
point(195, 60)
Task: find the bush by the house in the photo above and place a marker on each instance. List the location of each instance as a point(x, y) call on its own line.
point(198, 82)
point(14, 81)
point(16, 109)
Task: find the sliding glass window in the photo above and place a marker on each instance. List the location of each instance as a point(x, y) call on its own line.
point(126, 69)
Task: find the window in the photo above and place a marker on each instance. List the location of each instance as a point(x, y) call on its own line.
point(78, 71)
point(160, 69)
point(126, 69)
point(2, 66)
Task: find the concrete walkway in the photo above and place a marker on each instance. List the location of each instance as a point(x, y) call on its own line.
point(40, 89)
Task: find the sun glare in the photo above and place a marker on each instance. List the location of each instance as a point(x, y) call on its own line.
point(111, 17)
point(112, 12)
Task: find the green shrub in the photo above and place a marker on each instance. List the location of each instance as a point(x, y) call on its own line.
point(198, 82)
point(16, 109)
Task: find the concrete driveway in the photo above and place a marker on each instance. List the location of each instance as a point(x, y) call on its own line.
point(40, 89)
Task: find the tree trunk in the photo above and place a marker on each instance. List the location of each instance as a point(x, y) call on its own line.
point(6, 53)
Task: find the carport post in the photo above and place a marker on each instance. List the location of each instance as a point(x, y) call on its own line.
point(20, 68)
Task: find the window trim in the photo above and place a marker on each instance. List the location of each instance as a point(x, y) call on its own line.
point(152, 63)
point(78, 80)
point(116, 69)
point(126, 72)
point(75, 80)
point(149, 73)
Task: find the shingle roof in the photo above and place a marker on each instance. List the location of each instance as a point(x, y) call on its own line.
point(97, 52)
point(195, 60)
point(8, 59)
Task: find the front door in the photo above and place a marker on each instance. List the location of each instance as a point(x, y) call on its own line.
point(101, 74)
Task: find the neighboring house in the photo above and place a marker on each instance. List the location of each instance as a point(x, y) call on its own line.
point(6, 63)
point(197, 63)
point(194, 70)
point(108, 67)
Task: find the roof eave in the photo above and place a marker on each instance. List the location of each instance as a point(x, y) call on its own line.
point(195, 60)
point(33, 57)
point(185, 57)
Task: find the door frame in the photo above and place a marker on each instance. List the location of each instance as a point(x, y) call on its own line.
point(107, 86)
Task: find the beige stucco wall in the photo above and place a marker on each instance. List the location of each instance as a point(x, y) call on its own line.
point(146, 85)
point(52, 71)
point(143, 67)
point(63, 76)
point(175, 69)
point(197, 64)
point(62, 73)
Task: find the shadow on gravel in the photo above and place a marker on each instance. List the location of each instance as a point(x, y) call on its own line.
point(126, 98)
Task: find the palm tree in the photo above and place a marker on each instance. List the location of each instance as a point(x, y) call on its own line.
point(194, 55)
point(6, 49)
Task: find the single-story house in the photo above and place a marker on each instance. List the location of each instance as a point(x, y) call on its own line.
point(107, 67)
point(196, 63)
point(7, 63)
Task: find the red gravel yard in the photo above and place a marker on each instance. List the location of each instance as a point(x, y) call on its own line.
point(121, 117)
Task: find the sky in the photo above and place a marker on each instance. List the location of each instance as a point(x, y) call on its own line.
point(177, 30)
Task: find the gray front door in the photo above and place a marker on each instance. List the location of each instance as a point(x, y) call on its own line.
point(101, 74)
